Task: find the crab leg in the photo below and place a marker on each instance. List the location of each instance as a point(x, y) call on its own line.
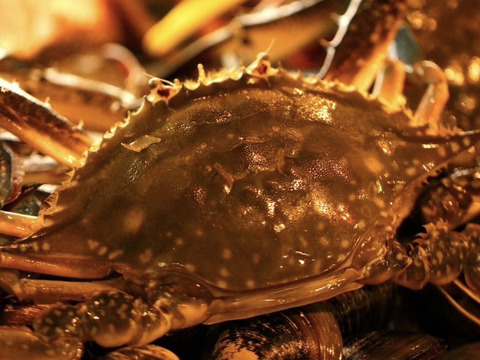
point(296, 24)
point(183, 21)
point(389, 84)
point(18, 225)
point(114, 318)
point(435, 98)
point(39, 126)
point(21, 343)
point(361, 44)
point(97, 105)
point(79, 268)
point(48, 291)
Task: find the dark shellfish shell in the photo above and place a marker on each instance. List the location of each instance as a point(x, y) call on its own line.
point(310, 332)
point(392, 345)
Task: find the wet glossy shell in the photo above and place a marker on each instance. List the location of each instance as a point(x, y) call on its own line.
point(244, 183)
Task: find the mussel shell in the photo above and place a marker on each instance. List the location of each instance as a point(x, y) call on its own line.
point(465, 352)
point(294, 335)
point(392, 345)
point(312, 332)
point(147, 352)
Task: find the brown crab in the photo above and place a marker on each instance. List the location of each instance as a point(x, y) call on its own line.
point(238, 194)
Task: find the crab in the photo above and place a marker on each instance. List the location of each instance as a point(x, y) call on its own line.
point(238, 194)
point(241, 193)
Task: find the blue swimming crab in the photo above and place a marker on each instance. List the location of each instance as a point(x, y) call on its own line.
point(238, 194)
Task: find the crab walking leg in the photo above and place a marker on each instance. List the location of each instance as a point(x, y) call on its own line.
point(356, 53)
point(95, 104)
point(182, 21)
point(463, 299)
point(57, 265)
point(389, 84)
point(18, 225)
point(433, 102)
point(49, 291)
point(114, 318)
point(38, 125)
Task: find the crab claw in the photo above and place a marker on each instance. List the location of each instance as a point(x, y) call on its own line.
point(437, 257)
point(472, 259)
point(21, 343)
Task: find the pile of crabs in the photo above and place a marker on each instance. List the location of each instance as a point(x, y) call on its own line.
point(293, 179)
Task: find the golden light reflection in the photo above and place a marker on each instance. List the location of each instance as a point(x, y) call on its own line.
point(454, 74)
point(386, 146)
point(474, 70)
point(324, 207)
point(323, 110)
point(321, 204)
point(34, 24)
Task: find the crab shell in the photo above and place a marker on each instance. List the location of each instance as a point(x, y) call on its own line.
point(248, 182)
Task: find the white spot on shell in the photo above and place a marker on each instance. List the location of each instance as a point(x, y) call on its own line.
point(454, 146)
point(344, 244)
point(133, 220)
point(441, 151)
point(146, 256)
point(92, 244)
point(324, 241)
point(411, 171)
point(222, 283)
point(102, 250)
point(227, 253)
point(224, 272)
point(360, 225)
point(115, 254)
point(321, 226)
point(190, 268)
